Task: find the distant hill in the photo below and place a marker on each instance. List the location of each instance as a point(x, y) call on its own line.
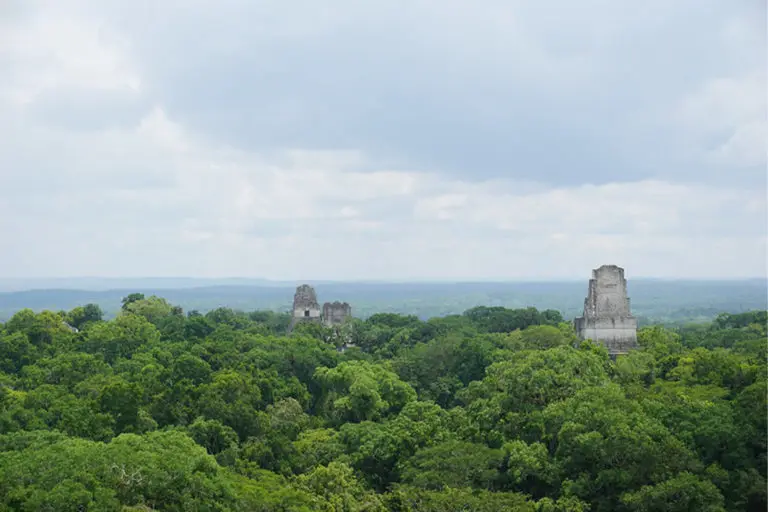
point(121, 283)
point(657, 300)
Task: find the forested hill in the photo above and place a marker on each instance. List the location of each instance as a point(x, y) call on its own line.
point(490, 410)
point(653, 301)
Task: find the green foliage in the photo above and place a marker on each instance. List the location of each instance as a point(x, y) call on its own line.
point(510, 399)
point(316, 447)
point(529, 467)
point(357, 391)
point(495, 409)
point(130, 299)
point(737, 321)
point(120, 338)
point(439, 368)
point(234, 398)
point(499, 319)
point(212, 435)
point(80, 316)
point(340, 490)
point(605, 445)
point(16, 352)
point(378, 449)
point(412, 499)
point(454, 464)
point(154, 308)
point(679, 494)
point(157, 471)
point(42, 329)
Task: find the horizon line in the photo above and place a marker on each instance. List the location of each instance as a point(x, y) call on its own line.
point(401, 280)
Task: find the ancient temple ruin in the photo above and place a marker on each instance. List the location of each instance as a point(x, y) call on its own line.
point(607, 317)
point(305, 305)
point(307, 309)
point(336, 313)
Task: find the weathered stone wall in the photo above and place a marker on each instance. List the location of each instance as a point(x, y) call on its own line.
point(607, 296)
point(619, 335)
point(335, 313)
point(607, 316)
point(305, 303)
point(305, 306)
point(307, 309)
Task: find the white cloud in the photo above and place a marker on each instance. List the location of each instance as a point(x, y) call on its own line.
point(647, 207)
point(226, 212)
point(728, 119)
point(746, 146)
point(163, 193)
point(53, 50)
point(441, 207)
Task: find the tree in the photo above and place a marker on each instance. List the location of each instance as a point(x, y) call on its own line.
point(679, 494)
point(120, 338)
point(212, 435)
point(154, 309)
point(16, 352)
point(377, 449)
point(337, 485)
point(606, 445)
point(121, 400)
point(80, 316)
point(529, 468)
point(439, 368)
point(133, 297)
point(454, 464)
point(42, 329)
point(513, 393)
point(407, 498)
point(233, 398)
point(358, 390)
point(316, 447)
point(499, 319)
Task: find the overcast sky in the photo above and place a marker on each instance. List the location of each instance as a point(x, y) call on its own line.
point(390, 139)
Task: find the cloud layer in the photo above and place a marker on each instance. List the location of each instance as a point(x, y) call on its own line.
point(387, 140)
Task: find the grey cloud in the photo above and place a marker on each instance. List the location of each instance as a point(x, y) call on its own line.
point(36, 162)
point(190, 173)
point(561, 94)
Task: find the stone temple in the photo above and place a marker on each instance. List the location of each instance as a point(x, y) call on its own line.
point(607, 317)
point(307, 309)
point(336, 313)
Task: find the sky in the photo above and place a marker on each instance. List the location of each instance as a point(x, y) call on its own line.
point(385, 139)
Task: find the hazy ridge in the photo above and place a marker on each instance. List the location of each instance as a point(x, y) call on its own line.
point(654, 299)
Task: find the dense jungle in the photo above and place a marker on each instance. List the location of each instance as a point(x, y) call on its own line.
point(489, 410)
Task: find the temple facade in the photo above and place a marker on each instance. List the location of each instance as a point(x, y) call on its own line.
point(336, 313)
point(306, 308)
point(607, 316)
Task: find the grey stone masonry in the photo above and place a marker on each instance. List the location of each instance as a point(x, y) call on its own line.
point(305, 306)
point(336, 313)
point(307, 309)
point(607, 317)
